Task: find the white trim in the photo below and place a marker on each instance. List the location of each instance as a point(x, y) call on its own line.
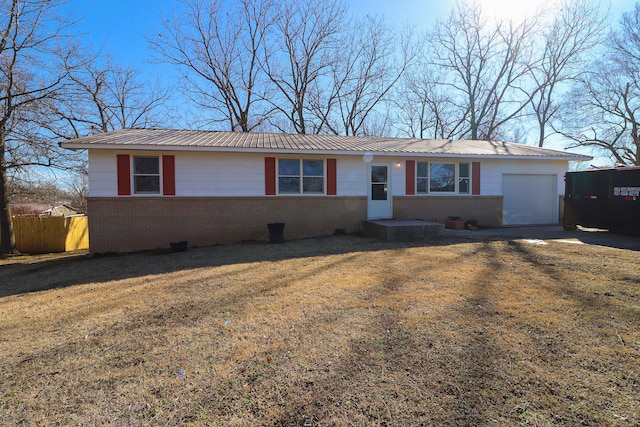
point(298, 152)
point(132, 173)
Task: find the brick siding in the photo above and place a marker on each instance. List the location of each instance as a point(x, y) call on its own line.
point(138, 223)
point(486, 209)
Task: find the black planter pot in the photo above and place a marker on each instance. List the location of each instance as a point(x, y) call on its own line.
point(180, 246)
point(276, 232)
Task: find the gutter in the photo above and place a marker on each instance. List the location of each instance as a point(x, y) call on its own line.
point(197, 148)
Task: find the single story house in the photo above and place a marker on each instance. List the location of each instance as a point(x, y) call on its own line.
point(150, 187)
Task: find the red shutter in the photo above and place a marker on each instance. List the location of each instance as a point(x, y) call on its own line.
point(475, 178)
point(410, 177)
point(168, 176)
point(270, 176)
point(331, 177)
point(124, 174)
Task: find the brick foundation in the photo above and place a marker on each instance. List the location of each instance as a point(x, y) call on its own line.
point(486, 209)
point(138, 223)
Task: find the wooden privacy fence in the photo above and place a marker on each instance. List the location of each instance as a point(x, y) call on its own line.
point(51, 234)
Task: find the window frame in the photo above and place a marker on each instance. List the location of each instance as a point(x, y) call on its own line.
point(134, 175)
point(301, 176)
point(457, 179)
point(460, 178)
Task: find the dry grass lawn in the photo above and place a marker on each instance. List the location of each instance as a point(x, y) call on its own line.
point(338, 331)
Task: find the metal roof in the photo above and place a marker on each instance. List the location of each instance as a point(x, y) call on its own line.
point(197, 140)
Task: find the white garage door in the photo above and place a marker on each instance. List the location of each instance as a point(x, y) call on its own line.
point(529, 199)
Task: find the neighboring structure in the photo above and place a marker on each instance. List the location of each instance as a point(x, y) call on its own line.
point(148, 188)
point(43, 209)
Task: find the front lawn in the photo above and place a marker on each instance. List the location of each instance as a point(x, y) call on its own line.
point(337, 331)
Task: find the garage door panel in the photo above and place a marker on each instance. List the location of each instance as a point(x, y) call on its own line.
point(529, 199)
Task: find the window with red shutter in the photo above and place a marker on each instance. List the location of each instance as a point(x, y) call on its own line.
point(332, 181)
point(124, 174)
point(270, 176)
point(168, 176)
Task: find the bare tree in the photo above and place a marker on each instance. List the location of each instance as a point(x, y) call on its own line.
point(625, 42)
point(78, 191)
point(486, 68)
point(30, 73)
point(35, 192)
point(372, 60)
point(575, 30)
point(424, 109)
point(105, 96)
point(301, 54)
point(218, 49)
point(603, 111)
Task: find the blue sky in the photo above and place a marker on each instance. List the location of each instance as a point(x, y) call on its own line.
point(121, 26)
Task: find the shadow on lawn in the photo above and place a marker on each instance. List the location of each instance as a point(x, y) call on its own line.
point(397, 375)
point(480, 353)
point(550, 270)
point(461, 374)
point(19, 278)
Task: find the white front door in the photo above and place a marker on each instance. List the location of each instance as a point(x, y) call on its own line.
point(379, 201)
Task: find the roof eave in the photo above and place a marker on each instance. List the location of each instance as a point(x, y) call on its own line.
point(141, 147)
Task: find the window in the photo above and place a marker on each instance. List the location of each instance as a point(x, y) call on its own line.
point(379, 183)
point(435, 178)
point(443, 178)
point(422, 179)
point(300, 176)
point(464, 178)
point(146, 175)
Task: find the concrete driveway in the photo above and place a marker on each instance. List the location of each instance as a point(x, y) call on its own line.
point(541, 234)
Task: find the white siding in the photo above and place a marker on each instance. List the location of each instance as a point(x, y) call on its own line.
point(353, 179)
point(103, 181)
point(398, 176)
point(351, 173)
point(491, 172)
point(197, 174)
point(219, 174)
point(208, 174)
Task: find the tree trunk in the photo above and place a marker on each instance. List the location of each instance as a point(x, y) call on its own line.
point(7, 238)
point(541, 134)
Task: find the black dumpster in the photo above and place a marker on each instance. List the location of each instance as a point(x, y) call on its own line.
point(276, 232)
point(603, 198)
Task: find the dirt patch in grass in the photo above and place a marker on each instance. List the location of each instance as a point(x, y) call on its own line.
point(319, 332)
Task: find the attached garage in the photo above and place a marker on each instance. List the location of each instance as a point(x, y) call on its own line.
point(529, 199)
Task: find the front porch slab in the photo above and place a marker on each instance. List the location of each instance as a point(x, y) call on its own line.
point(395, 229)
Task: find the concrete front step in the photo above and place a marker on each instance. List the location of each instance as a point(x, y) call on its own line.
point(393, 229)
